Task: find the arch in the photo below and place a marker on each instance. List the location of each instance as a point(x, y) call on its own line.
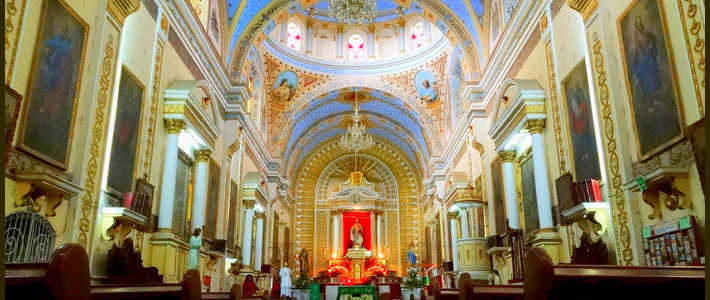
point(377, 171)
point(29, 237)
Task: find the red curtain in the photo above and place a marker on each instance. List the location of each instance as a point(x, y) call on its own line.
point(363, 217)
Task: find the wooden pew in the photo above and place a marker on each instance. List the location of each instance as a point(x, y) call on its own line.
point(543, 280)
point(235, 293)
point(64, 277)
point(468, 290)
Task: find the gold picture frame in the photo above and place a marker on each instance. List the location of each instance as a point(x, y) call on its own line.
point(13, 101)
point(28, 109)
point(674, 89)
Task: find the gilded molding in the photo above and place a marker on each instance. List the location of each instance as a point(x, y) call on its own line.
point(623, 235)
point(695, 44)
point(203, 155)
point(89, 199)
point(507, 156)
point(259, 215)
point(174, 126)
point(10, 12)
point(584, 7)
point(535, 109)
point(249, 203)
point(153, 110)
point(555, 107)
point(120, 9)
point(452, 214)
point(535, 125)
point(174, 108)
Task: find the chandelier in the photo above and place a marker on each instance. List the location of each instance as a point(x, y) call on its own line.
point(355, 139)
point(352, 11)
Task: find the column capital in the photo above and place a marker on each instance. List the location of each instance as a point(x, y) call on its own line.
point(584, 7)
point(203, 155)
point(453, 214)
point(281, 225)
point(336, 212)
point(249, 203)
point(507, 156)
point(260, 215)
point(174, 126)
point(535, 125)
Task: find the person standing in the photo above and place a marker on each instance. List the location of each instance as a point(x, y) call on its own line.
point(193, 257)
point(285, 274)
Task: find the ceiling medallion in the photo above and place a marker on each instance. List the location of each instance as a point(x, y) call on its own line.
point(352, 12)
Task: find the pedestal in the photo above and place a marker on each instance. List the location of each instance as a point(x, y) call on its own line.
point(357, 258)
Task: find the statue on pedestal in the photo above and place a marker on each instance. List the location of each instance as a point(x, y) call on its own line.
point(356, 234)
point(303, 259)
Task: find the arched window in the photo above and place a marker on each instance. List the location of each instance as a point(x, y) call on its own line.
point(355, 47)
point(293, 35)
point(417, 35)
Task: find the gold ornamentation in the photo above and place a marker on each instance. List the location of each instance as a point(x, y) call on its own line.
point(174, 126)
point(259, 215)
point(321, 240)
point(89, 198)
point(535, 125)
point(249, 203)
point(584, 7)
point(543, 23)
point(507, 156)
point(623, 236)
point(698, 45)
point(452, 214)
point(120, 9)
point(203, 155)
point(164, 24)
point(555, 107)
point(153, 110)
point(174, 108)
point(10, 12)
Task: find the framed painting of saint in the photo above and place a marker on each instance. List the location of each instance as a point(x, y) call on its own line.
point(55, 78)
point(212, 200)
point(126, 129)
point(498, 199)
point(650, 78)
point(426, 85)
point(284, 87)
point(578, 105)
point(12, 112)
point(526, 173)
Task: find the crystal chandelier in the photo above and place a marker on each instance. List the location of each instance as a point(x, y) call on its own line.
point(356, 139)
point(352, 11)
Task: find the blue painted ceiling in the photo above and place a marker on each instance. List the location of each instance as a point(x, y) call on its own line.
point(324, 117)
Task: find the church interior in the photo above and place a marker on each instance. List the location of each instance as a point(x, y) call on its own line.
point(354, 149)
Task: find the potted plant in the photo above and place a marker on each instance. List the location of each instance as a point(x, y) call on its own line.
point(412, 284)
point(300, 289)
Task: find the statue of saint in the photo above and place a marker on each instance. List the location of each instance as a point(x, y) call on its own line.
point(303, 259)
point(356, 234)
point(410, 254)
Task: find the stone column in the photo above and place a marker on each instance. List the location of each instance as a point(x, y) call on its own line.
point(371, 41)
point(400, 28)
point(454, 237)
point(284, 32)
point(373, 231)
point(380, 234)
point(341, 235)
point(167, 189)
point(199, 199)
point(511, 205)
point(542, 186)
point(427, 30)
point(246, 235)
point(309, 32)
point(465, 223)
point(339, 43)
point(259, 240)
point(334, 232)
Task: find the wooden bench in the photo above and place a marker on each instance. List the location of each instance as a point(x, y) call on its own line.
point(468, 290)
point(235, 293)
point(66, 277)
point(543, 280)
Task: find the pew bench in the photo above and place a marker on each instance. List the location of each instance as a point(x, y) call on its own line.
point(543, 280)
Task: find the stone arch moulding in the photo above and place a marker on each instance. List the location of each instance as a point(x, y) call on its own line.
point(518, 101)
point(185, 100)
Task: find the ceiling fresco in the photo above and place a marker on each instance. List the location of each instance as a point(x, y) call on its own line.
point(251, 20)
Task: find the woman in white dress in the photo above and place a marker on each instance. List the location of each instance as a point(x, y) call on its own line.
point(285, 274)
point(193, 258)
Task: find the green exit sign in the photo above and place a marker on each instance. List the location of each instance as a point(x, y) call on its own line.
point(642, 183)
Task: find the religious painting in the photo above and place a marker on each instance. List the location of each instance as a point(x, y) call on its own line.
point(527, 187)
point(54, 84)
point(697, 141)
point(649, 77)
point(214, 24)
point(426, 85)
point(124, 146)
point(181, 198)
point(284, 87)
point(212, 200)
point(581, 128)
point(498, 199)
point(12, 111)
